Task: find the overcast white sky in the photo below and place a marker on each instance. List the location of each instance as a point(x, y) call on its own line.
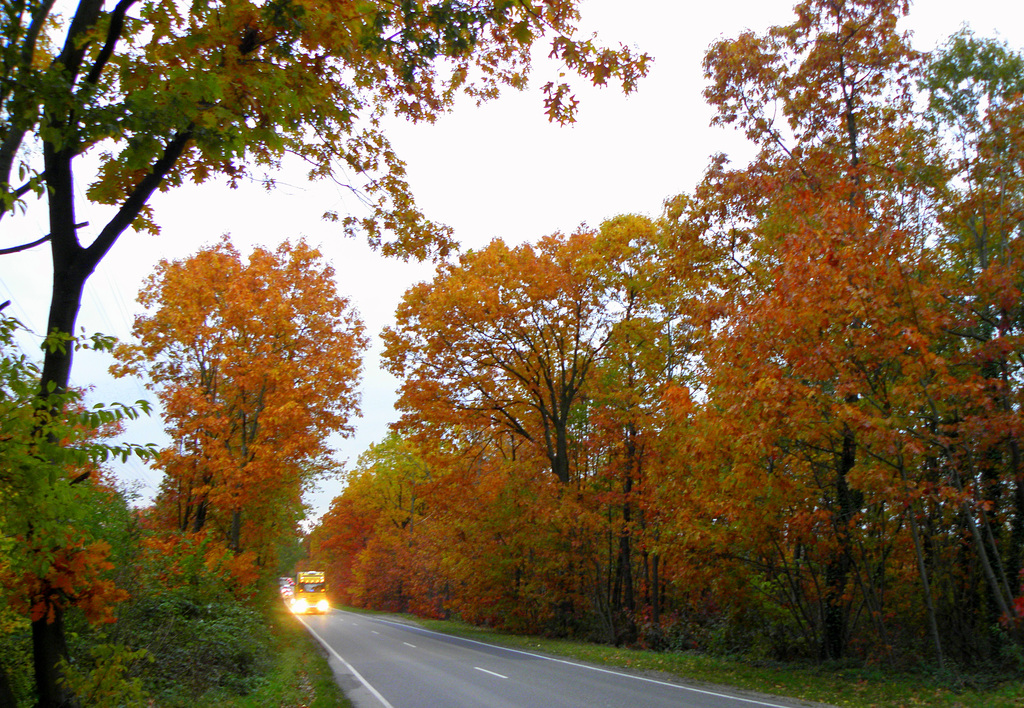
point(497, 171)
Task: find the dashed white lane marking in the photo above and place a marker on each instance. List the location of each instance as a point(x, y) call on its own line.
point(492, 673)
point(597, 669)
point(409, 645)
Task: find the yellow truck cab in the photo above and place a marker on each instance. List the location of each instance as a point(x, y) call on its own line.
point(310, 593)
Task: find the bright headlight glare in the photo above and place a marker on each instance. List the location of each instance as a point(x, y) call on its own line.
point(322, 606)
point(300, 605)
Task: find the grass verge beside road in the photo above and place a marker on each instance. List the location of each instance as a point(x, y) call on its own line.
point(300, 676)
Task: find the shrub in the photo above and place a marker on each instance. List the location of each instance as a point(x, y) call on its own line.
point(199, 646)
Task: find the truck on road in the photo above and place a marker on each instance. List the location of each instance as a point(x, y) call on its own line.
point(310, 593)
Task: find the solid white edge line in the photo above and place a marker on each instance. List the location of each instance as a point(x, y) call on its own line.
point(591, 668)
point(339, 657)
point(492, 673)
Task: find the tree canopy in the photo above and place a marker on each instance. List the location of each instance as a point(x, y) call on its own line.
point(256, 364)
point(793, 402)
point(119, 103)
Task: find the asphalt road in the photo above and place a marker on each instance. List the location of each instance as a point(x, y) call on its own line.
point(382, 663)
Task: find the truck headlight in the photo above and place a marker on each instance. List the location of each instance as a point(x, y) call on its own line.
point(300, 605)
point(322, 606)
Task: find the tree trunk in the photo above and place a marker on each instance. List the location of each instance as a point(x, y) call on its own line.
point(837, 572)
point(625, 536)
point(560, 455)
point(655, 595)
point(922, 570)
point(6, 692)
point(49, 646)
point(235, 534)
point(199, 520)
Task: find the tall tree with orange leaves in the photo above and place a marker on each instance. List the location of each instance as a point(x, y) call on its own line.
point(256, 365)
point(549, 355)
point(813, 240)
point(859, 420)
point(504, 341)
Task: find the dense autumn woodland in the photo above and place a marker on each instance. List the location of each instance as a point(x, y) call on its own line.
point(100, 108)
point(782, 419)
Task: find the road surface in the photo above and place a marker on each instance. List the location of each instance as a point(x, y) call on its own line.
point(383, 663)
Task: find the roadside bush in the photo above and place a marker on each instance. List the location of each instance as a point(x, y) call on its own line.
point(16, 658)
point(198, 646)
point(100, 681)
point(186, 612)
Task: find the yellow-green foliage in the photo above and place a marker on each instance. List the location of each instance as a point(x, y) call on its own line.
point(102, 682)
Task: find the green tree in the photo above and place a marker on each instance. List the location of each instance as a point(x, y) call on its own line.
point(625, 399)
point(52, 493)
point(975, 90)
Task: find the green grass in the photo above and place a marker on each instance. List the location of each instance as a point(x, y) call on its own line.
point(300, 676)
point(835, 685)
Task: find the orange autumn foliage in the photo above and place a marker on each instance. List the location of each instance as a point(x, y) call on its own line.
point(256, 365)
point(75, 577)
point(784, 420)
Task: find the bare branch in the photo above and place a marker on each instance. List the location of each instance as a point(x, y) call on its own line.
point(26, 246)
